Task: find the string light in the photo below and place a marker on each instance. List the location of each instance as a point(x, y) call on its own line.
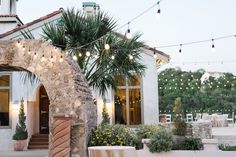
point(112, 57)
point(61, 59)
point(51, 58)
point(131, 57)
point(43, 58)
point(180, 48)
point(213, 46)
point(23, 48)
point(158, 15)
point(154, 53)
point(35, 55)
point(88, 53)
point(75, 57)
point(107, 46)
point(96, 56)
point(67, 52)
point(29, 52)
point(80, 54)
point(128, 33)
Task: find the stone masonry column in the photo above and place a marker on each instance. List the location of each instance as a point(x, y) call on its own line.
point(61, 132)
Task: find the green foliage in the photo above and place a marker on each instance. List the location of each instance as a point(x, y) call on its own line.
point(180, 127)
point(227, 148)
point(179, 123)
point(112, 135)
point(161, 141)
point(189, 144)
point(105, 115)
point(212, 95)
point(78, 30)
point(21, 131)
point(145, 131)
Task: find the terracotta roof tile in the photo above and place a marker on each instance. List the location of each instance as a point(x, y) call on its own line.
point(30, 23)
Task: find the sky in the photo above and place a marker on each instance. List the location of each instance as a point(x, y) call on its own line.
point(181, 21)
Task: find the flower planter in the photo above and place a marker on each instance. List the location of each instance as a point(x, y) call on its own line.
point(19, 145)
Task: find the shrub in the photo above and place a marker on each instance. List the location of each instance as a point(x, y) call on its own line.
point(161, 141)
point(227, 148)
point(179, 127)
point(145, 131)
point(21, 131)
point(112, 135)
point(189, 144)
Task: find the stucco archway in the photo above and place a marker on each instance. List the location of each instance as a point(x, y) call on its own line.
point(66, 87)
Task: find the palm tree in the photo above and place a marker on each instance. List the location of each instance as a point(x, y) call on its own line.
point(101, 72)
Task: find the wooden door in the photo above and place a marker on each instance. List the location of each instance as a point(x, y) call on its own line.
point(43, 111)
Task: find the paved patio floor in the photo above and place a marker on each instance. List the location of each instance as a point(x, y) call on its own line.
point(231, 130)
point(28, 153)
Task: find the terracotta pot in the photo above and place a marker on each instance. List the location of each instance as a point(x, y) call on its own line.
point(19, 145)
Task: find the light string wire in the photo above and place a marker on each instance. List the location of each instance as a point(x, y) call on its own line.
point(197, 42)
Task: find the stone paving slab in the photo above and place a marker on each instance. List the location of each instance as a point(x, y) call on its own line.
point(28, 153)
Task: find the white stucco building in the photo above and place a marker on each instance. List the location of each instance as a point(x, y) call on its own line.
point(133, 103)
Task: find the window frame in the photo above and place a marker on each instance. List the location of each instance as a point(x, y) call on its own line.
point(10, 98)
point(127, 89)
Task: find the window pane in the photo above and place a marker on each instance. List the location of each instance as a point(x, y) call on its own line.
point(120, 107)
point(120, 81)
point(135, 106)
point(134, 81)
point(4, 107)
point(4, 80)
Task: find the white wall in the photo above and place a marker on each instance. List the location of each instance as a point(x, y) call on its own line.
point(19, 90)
point(149, 94)
point(150, 90)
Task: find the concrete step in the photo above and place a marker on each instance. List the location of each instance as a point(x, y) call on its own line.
point(38, 141)
point(38, 147)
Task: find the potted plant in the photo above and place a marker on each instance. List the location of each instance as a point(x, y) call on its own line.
point(21, 133)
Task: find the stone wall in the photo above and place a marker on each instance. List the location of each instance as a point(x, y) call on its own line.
point(66, 87)
point(202, 130)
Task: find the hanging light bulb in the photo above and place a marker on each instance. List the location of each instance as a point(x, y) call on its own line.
point(107, 46)
point(213, 49)
point(18, 43)
point(67, 52)
point(35, 55)
point(29, 52)
point(51, 59)
point(158, 15)
point(154, 53)
point(61, 59)
point(75, 57)
point(80, 54)
point(88, 54)
point(43, 58)
point(112, 57)
point(128, 33)
point(23, 48)
point(96, 56)
point(131, 57)
point(180, 49)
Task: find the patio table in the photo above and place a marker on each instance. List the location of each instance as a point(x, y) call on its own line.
point(112, 151)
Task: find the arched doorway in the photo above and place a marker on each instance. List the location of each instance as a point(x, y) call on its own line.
point(66, 87)
point(43, 111)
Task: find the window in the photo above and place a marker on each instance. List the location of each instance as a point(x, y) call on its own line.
point(128, 102)
point(4, 100)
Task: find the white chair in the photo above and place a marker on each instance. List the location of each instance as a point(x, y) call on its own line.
point(198, 116)
point(168, 118)
point(230, 119)
point(189, 117)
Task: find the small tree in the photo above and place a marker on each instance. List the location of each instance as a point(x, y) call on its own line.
point(105, 115)
point(21, 131)
point(179, 123)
